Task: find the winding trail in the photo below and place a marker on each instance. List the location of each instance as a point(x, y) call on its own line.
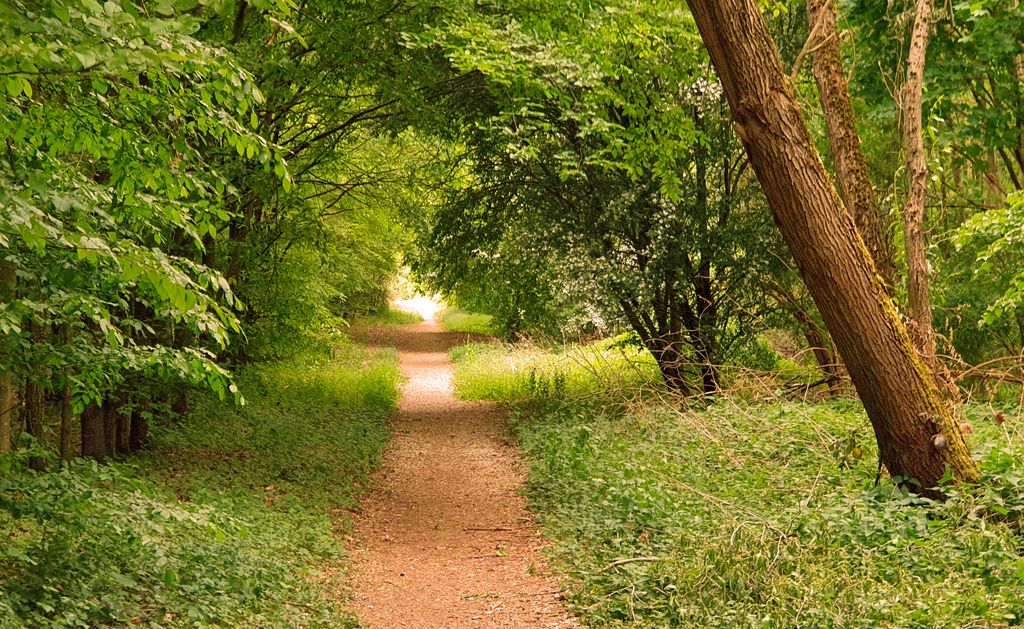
point(444, 538)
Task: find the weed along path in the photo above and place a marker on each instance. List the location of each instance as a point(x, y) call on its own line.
point(444, 538)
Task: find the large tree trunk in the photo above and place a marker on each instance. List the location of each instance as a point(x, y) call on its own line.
point(916, 432)
point(854, 184)
point(919, 305)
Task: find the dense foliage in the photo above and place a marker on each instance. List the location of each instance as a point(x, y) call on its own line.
point(607, 155)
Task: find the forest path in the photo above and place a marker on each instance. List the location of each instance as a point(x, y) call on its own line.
point(444, 538)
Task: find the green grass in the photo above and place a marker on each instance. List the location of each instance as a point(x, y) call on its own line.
point(231, 518)
point(454, 320)
point(745, 515)
point(391, 316)
point(486, 371)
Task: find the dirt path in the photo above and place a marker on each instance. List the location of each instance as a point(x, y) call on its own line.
point(444, 539)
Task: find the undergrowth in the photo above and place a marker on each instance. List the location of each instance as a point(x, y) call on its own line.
point(228, 519)
point(455, 320)
point(757, 515)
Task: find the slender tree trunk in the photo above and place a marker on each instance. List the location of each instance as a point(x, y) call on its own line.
point(8, 409)
point(822, 353)
point(66, 409)
point(919, 306)
point(138, 431)
point(124, 428)
point(708, 368)
point(703, 334)
point(66, 415)
point(8, 388)
point(671, 365)
point(94, 440)
point(110, 428)
point(35, 410)
point(817, 340)
point(35, 402)
point(916, 432)
point(852, 174)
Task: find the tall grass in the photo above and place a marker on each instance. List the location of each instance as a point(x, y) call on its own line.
point(513, 373)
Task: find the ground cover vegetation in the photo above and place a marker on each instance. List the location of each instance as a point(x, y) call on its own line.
point(455, 320)
point(747, 512)
point(738, 201)
point(230, 517)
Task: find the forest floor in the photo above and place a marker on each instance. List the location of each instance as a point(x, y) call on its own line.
point(444, 539)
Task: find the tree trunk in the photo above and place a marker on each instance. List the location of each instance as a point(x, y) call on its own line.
point(671, 365)
point(138, 431)
point(8, 409)
point(124, 428)
point(66, 408)
point(852, 174)
point(817, 340)
point(919, 306)
point(8, 388)
point(110, 428)
point(94, 440)
point(708, 369)
point(35, 402)
point(66, 415)
point(34, 411)
point(822, 353)
point(703, 333)
point(916, 432)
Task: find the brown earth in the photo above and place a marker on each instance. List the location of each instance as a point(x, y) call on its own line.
point(444, 538)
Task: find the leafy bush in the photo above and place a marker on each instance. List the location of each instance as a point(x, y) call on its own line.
point(229, 519)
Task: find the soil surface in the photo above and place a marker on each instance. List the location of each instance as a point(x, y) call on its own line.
point(444, 538)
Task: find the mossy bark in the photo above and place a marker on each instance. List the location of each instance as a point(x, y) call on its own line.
point(916, 431)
